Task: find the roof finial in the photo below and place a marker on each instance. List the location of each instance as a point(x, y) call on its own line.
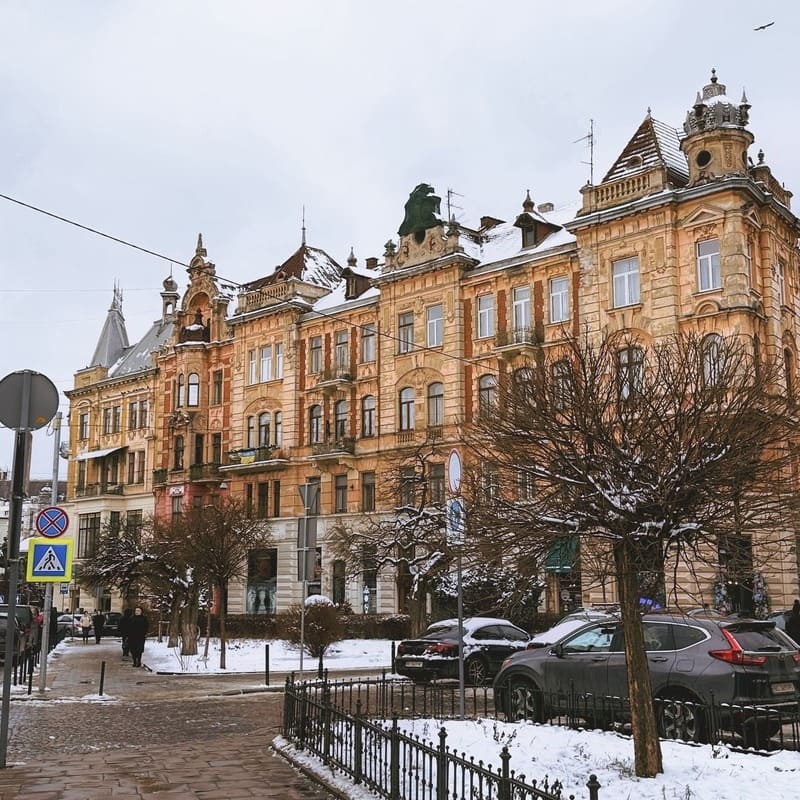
point(527, 203)
point(760, 157)
point(200, 250)
point(649, 112)
point(303, 237)
point(713, 75)
point(351, 259)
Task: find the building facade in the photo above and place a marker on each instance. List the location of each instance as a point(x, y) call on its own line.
point(324, 375)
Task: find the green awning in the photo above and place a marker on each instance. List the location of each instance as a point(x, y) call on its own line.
point(562, 556)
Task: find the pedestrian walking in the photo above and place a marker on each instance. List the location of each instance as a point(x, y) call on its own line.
point(793, 622)
point(136, 635)
point(124, 630)
point(86, 625)
point(98, 621)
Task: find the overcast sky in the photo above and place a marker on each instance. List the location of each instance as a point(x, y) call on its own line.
point(155, 121)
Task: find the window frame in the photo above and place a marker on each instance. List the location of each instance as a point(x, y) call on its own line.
point(193, 390)
point(709, 274)
point(405, 332)
point(625, 279)
point(368, 343)
point(435, 404)
point(434, 325)
point(368, 416)
point(407, 400)
point(315, 360)
point(485, 316)
point(315, 424)
point(521, 308)
point(559, 299)
point(266, 363)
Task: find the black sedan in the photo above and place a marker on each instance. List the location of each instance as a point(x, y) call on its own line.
point(486, 643)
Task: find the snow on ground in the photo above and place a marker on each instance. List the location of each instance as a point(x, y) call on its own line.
point(247, 655)
point(691, 772)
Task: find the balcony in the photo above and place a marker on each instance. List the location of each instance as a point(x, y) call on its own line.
point(159, 477)
point(98, 489)
point(516, 340)
point(333, 451)
point(204, 473)
point(334, 378)
point(254, 459)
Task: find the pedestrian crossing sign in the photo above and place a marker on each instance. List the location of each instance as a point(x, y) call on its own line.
point(49, 560)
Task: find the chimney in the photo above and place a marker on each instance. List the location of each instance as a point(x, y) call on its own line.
point(545, 208)
point(372, 262)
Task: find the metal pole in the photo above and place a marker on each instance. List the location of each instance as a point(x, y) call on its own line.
point(305, 591)
point(14, 525)
point(460, 637)
point(48, 592)
point(266, 665)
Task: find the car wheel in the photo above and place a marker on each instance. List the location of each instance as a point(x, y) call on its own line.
point(680, 717)
point(523, 701)
point(476, 671)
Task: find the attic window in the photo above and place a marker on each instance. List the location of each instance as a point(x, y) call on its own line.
point(703, 158)
point(634, 162)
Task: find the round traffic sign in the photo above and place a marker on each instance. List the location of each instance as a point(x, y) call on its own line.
point(52, 521)
point(454, 472)
point(28, 400)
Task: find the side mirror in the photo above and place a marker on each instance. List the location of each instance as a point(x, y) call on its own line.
point(557, 651)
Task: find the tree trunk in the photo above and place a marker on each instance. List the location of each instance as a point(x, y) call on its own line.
point(208, 634)
point(417, 607)
point(222, 634)
point(646, 744)
point(174, 630)
point(190, 630)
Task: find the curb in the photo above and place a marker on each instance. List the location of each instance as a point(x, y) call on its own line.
point(284, 749)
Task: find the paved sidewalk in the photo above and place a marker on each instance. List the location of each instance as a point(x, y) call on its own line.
point(151, 737)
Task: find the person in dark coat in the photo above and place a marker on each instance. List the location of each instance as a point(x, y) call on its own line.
point(98, 621)
point(793, 622)
point(124, 630)
point(136, 635)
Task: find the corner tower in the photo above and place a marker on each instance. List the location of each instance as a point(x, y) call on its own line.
point(716, 136)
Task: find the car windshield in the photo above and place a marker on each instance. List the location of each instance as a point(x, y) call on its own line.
point(449, 632)
point(754, 637)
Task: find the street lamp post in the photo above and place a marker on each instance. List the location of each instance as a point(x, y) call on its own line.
point(306, 553)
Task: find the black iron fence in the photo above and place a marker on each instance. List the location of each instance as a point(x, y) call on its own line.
point(344, 724)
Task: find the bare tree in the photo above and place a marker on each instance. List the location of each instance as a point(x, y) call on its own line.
point(222, 536)
point(407, 538)
point(659, 451)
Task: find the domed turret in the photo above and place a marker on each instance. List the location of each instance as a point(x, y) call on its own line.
point(716, 138)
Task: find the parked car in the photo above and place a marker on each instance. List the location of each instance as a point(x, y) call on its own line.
point(67, 625)
point(19, 636)
point(26, 616)
point(111, 628)
point(692, 660)
point(486, 642)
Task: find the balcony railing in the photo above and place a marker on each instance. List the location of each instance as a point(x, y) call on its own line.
point(159, 477)
point(204, 472)
point(98, 489)
point(335, 447)
point(254, 459)
point(250, 455)
point(516, 336)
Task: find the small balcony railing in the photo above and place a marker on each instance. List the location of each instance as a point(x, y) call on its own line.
point(98, 489)
point(335, 447)
point(204, 472)
point(159, 477)
point(516, 336)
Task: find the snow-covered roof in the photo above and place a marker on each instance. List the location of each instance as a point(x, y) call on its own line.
point(138, 357)
point(113, 340)
point(308, 264)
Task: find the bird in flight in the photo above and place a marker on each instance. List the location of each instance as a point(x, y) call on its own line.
point(764, 27)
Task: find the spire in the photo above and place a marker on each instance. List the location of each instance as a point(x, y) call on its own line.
point(527, 203)
point(303, 238)
point(200, 250)
point(113, 340)
point(351, 259)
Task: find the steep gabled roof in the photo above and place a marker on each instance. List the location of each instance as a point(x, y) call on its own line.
point(307, 264)
point(654, 144)
point(139, 356)
point(113, 339)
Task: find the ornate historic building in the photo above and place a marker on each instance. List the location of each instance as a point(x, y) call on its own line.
point(320, 374)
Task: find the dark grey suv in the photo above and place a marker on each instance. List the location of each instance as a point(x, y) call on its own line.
point(695, 663)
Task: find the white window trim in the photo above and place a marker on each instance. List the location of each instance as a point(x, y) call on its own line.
point(559, 300)
point(625, 285)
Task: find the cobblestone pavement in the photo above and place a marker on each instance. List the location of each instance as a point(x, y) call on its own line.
point(153, 737)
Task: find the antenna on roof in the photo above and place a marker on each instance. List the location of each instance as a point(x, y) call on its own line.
point(304, 225)
point(451, 193)
point(590, 139)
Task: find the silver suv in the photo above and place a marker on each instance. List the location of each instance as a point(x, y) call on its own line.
point(699, 668)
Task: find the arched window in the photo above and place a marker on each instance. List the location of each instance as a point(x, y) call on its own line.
point(250, 438)
point(487, 394)
point(630, 372)
point(278, 429)
point(193, 398)
point(264, 422)
point(315, 424)
point(712, 359)
point(407, 409)
point(180, 393)
point(368, 416)
point(178, 453)
point(435, 404)
point(340, 420)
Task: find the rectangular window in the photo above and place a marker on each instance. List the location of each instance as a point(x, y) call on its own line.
point(340, 494)
point(521, 308)
point(315, 360)
point(117, 415)
point(115, 521)
point(276, 498)
point(134, 521)
point(107, 420)
point(278, 361)
point(367, 491)
point(631, 372)
point(140, 462)
point(408, 486)
point(252, 367)
point(216, 388)
point(405, 332)
point(143, 413)
point(83, 426)
point(485, 316)
point(368, 343)
point(88, 533)
point(266, 363)
point(781, 270)
point(176, 508)
point(131, 467)
point(216, 448)
point(524, 485)
point(489, 483)
point(342, 351)
point(248, 499)
point(250, 439)
point(263, 500)
point(436, 484)
point(708, 274)
point(133, 408)
point(369, 593)
point(278, 429)
point(81, 480)
point(199, 449)
point(315, 490)
point(559, 299)
point(435, 326)
point(626, 282)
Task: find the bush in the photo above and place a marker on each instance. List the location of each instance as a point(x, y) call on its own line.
point(323, 627)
